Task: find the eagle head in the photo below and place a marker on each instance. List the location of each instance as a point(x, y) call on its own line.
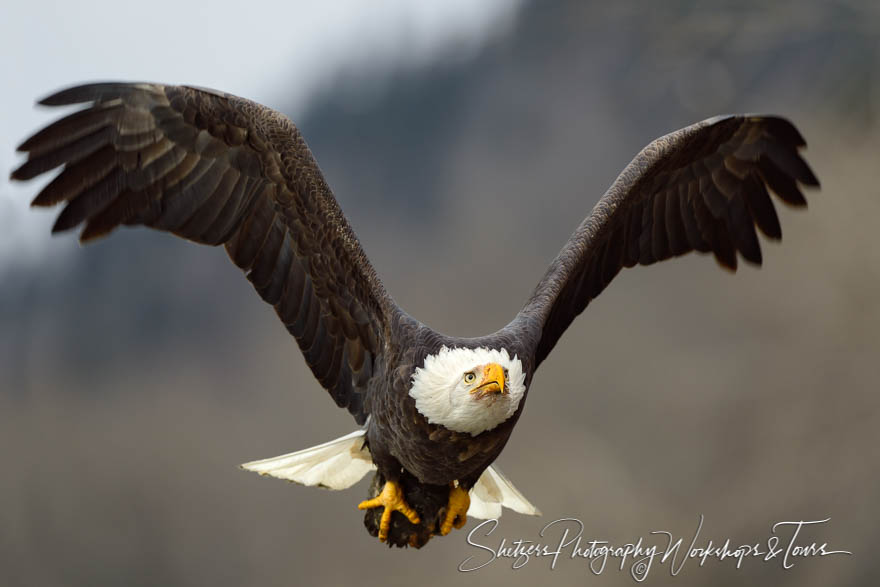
point(468, 390)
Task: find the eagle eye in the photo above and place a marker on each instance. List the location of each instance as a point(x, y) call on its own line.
point(470, 377)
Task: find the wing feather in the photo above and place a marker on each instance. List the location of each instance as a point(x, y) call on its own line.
point(702, 188)
point(218, 169)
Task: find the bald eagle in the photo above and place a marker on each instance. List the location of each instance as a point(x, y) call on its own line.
point(435, 410)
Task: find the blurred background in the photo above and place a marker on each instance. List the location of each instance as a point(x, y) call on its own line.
point(137, 373)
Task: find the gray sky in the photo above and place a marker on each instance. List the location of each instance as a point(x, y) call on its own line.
point(277, 53)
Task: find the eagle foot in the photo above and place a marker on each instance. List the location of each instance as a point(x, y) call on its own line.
point(391, 498)
point(456, 510)
point(429, 501)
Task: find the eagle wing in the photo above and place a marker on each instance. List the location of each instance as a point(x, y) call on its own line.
point(218, 169)
point(702, 188)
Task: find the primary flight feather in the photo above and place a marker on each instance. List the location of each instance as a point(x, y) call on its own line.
point(437, 410)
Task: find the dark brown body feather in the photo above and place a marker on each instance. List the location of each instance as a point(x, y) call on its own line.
point(218, 169)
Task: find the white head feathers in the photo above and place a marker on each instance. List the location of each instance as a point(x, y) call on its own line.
point(443, 397)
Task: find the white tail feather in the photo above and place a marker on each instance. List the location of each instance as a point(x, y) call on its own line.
point(341, 463)
point(492, 491)
point(337, 464)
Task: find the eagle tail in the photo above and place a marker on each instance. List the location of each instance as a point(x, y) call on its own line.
point(337, 464)
point(492, 491)
point(341, 463)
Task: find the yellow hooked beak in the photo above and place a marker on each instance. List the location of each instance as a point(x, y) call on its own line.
point(492, 382)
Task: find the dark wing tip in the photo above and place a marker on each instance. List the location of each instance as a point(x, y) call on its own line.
point(17, 174)
point(92, 232)
point(37, 202)
point(784, 129)
point(805, 174)
point(786, 132)
point(94, 92)
point(726, 265)
point(64, 221)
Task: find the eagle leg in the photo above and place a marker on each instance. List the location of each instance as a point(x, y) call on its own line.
point(456, 510)
point(392, 500)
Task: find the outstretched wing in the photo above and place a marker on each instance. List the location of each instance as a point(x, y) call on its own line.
point(702, 188)
point(217, 169)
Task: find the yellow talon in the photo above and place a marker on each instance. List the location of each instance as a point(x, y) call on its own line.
point(392, 500)
point(456, 510)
